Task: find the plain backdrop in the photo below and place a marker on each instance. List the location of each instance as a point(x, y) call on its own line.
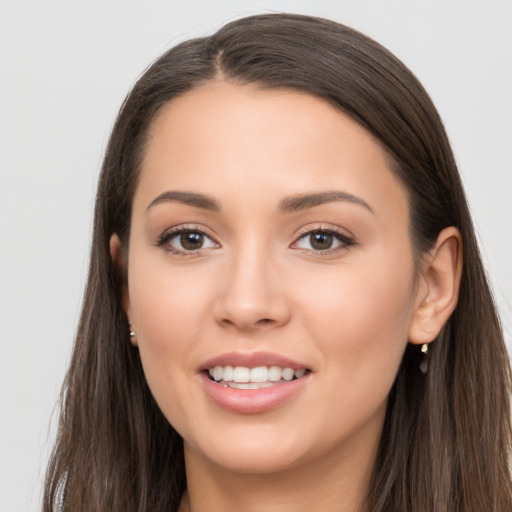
point(65, 69)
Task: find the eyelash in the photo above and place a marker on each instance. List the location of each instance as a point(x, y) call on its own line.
point(165, 238)
point(344, 240)
point(342, 237)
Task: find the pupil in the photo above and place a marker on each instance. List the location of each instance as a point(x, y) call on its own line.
point(321, 241)
point(191, 240)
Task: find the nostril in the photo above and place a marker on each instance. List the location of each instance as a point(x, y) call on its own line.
point(260, 322)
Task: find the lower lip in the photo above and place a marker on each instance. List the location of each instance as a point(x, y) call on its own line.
point(252, 401)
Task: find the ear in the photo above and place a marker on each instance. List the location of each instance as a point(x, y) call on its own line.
point(119, 259)
point(438, 287)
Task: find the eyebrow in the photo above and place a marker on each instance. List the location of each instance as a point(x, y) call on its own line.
point(288, 205)
point(189, 198)
point(306, 201)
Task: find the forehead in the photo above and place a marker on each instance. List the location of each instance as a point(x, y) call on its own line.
point(222, 137)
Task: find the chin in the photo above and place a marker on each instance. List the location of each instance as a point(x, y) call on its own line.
point(262, 449)
point(254, 460)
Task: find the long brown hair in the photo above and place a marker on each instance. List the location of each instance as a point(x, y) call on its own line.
point(446, 440)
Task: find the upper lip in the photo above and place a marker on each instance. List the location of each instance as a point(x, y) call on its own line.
point(251, 360)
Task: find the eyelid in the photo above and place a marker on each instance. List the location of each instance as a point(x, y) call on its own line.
point(163, 240)
point(345, 238)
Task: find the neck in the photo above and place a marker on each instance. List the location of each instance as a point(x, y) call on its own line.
point(338, 480)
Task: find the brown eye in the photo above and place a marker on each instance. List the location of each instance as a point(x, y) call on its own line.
point(191, 240)
point(323, 241)
point(184, 241)
point(320, 240)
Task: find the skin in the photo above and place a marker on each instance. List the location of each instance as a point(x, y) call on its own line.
point(258, 284)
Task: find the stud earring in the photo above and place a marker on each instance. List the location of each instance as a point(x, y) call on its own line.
point(424, 358)
point(132, 332)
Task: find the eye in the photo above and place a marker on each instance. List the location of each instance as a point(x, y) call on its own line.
point(183, 240)
point(322, 241)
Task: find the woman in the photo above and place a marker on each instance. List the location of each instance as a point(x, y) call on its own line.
point(286, 307)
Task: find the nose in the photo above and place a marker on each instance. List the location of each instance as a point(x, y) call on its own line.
point(251, 295)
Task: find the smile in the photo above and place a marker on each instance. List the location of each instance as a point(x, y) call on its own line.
point(253, 382)
point(243, 377)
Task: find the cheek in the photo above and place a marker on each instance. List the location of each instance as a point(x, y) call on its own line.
point(360, 320)
point(165, 302)
point(167, 314)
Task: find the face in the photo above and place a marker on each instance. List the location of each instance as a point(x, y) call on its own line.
point(270, 247)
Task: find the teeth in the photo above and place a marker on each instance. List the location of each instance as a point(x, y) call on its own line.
point(248, 385)
point(274, 373)
point(228, 374)
point(242, 375)
point(218, 373)
point(288, 374)
point(259, 374)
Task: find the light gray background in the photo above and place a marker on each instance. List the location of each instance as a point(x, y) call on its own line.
point(65, 68)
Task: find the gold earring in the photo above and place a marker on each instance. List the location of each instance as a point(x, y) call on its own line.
point(424, 361)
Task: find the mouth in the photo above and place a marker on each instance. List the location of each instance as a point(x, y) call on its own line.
point(248, 382)
point(257, 377)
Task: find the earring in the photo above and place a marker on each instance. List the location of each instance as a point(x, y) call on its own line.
point(424, 359)
point(132, 333)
